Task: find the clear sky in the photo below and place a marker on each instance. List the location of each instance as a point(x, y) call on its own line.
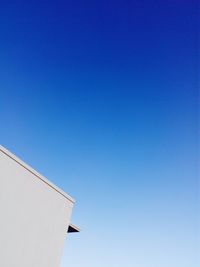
point(101, 98)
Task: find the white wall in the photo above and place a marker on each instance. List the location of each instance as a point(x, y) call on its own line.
point(34, 217)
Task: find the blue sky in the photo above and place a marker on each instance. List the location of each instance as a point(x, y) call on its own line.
point(101, 97)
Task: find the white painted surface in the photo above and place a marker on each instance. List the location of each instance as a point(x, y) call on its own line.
point(34, 216)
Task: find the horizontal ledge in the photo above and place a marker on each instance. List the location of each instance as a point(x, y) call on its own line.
point(73, 229)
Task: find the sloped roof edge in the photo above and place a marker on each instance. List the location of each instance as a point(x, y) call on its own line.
point(38, 175)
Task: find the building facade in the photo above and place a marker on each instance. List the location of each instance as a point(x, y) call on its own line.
point(35, 216)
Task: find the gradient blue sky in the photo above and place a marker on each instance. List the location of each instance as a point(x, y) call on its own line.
point(101, 97)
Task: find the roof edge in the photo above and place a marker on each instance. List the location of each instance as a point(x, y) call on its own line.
point(38, 175)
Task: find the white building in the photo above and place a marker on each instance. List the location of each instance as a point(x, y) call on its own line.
point(34, 216)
